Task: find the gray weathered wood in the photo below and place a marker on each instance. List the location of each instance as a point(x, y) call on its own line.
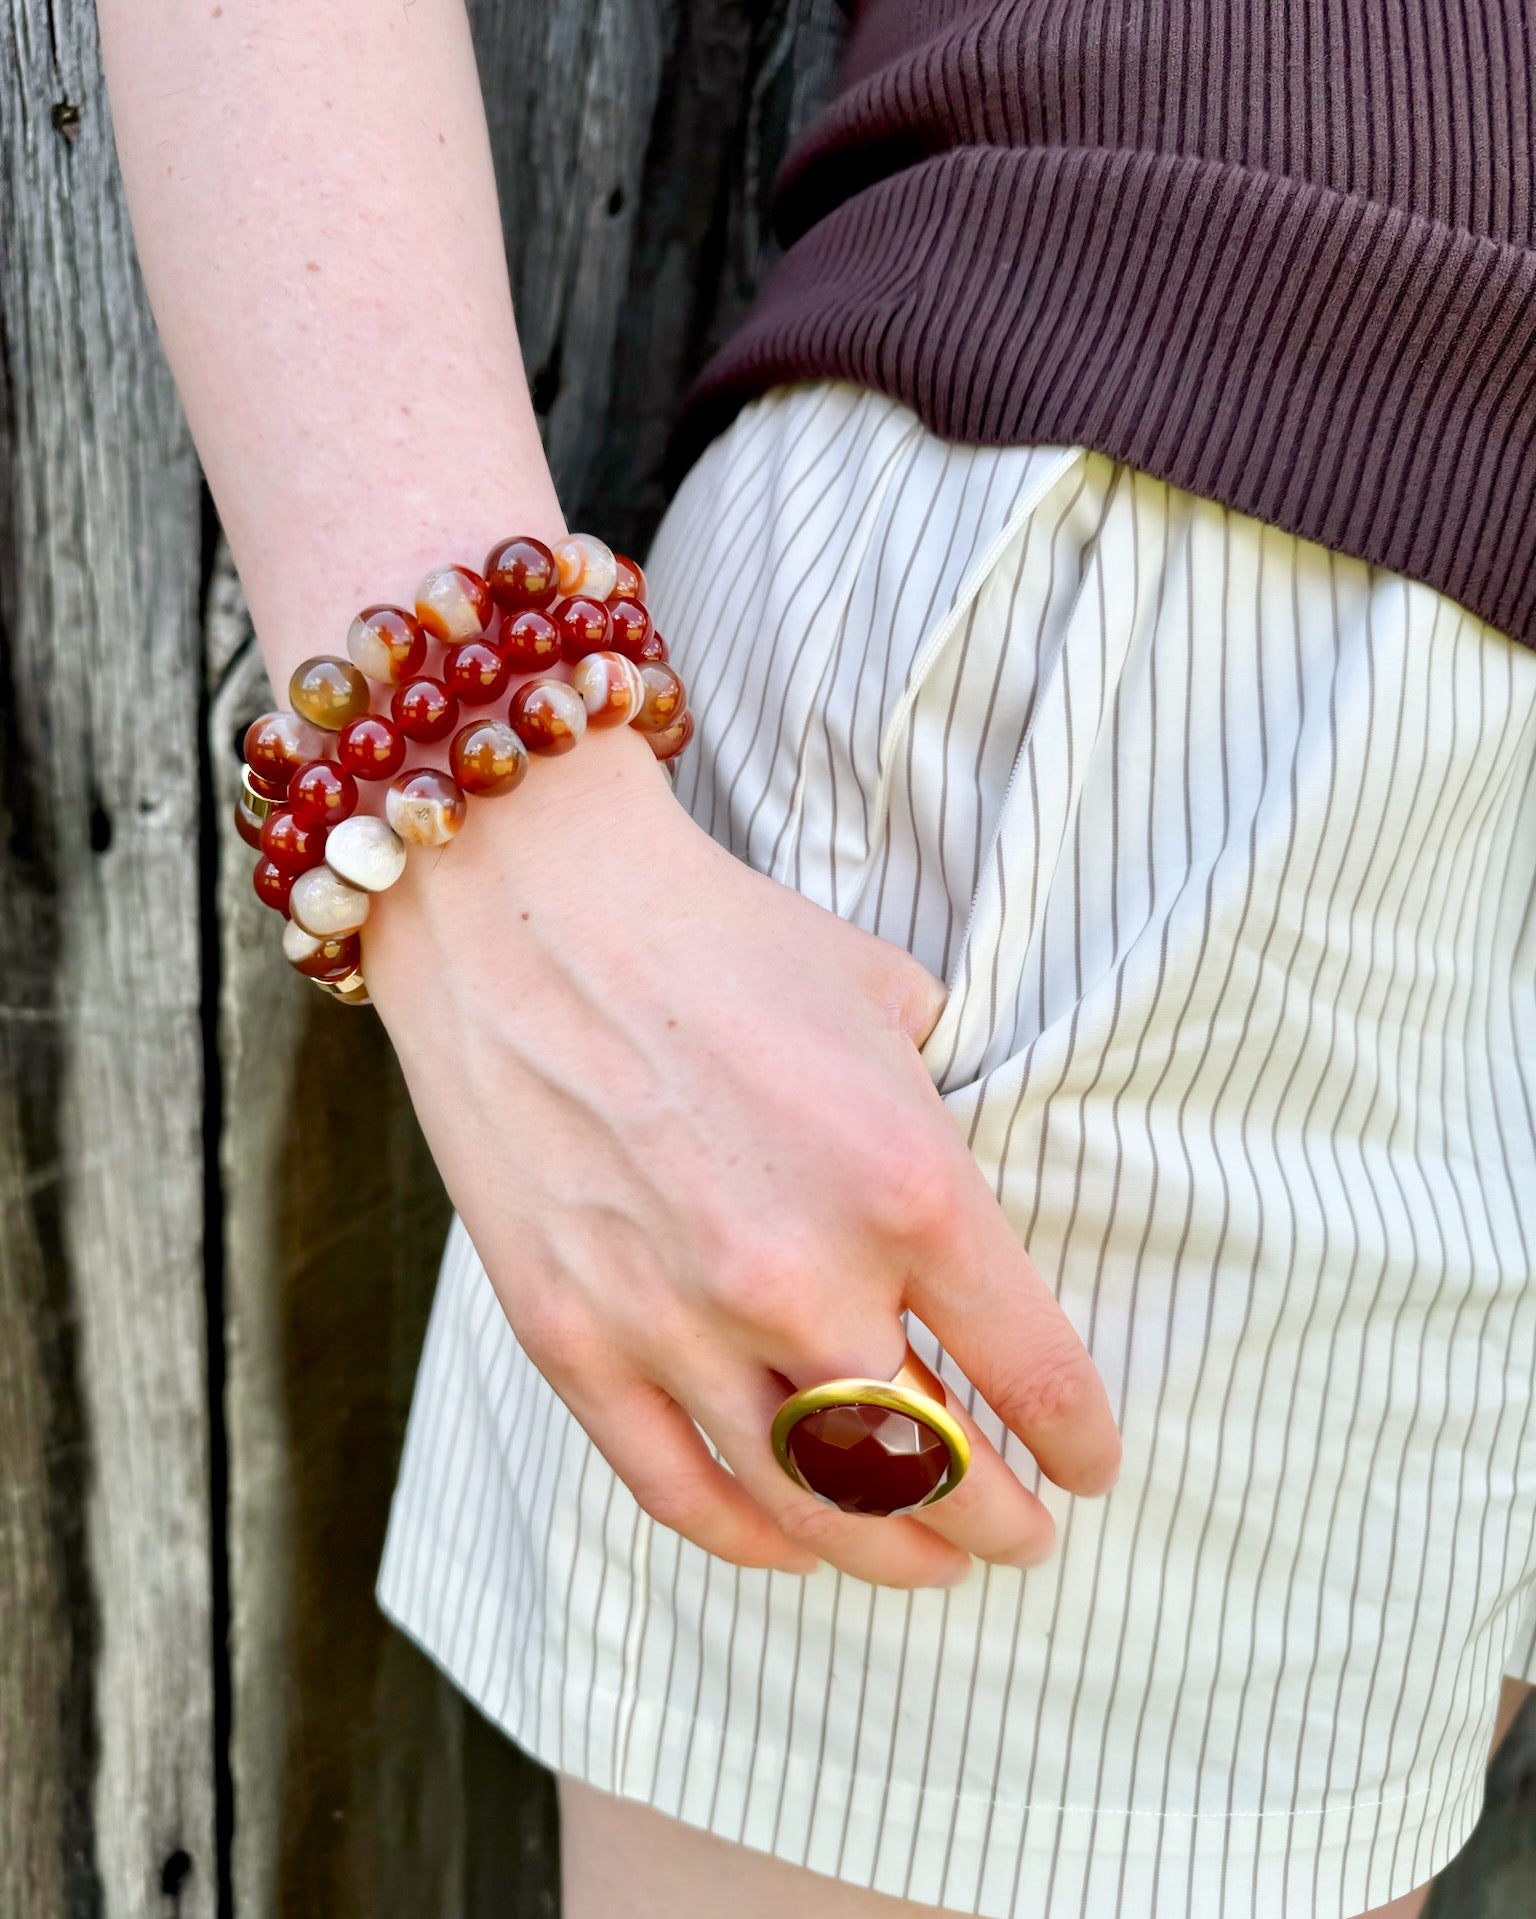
point(106, 1714)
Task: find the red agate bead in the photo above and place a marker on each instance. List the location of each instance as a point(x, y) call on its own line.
point(290, 844)
point(387, 643)
point(264, 789)
point(248, 824)
point(328, 692)
point(631, 628)
point(664, 697)
point(652, 647)
point(278, 744)
point(548, 716)
point(371, 748)
point(585, 626)
point(476, 672)
point(520, 573)
point(488, 758)
point(530, 641)
point(454, 604)
point(322, 794)
point(629, 581)
point(424, 710)
point(669, 741)
point(272, 885)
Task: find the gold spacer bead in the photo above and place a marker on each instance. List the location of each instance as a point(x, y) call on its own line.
point(259, 803)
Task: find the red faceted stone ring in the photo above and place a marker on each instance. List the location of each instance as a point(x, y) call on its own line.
point(873, 1446)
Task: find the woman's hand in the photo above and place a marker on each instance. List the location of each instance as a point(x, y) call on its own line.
point(681, 1111)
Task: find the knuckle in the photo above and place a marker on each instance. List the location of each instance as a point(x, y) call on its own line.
point(819, 1527)
point(914, 1191)
point(1047, 1391)
point(762, 1286)
point(556, 1336)
point(683, 1505)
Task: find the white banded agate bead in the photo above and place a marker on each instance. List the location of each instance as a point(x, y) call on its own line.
point(425, 807)
point(366, 852)
point(586, 566)
point(323, 903)
point(610, 687)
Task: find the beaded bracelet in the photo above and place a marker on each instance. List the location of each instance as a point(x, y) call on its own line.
point(321, 860)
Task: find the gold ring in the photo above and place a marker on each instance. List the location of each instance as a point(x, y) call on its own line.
point(867, 1445)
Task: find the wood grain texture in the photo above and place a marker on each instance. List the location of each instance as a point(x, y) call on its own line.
point(106, 1684)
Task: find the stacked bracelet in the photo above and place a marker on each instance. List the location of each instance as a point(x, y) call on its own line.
point(321, 861)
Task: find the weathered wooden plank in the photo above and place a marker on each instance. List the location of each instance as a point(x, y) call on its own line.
point(106, 1718)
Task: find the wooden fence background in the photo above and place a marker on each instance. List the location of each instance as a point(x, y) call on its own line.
point(203, 1379)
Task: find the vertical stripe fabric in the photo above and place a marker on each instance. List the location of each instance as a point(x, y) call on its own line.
point(1226, 846)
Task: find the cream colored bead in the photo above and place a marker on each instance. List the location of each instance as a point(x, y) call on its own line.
point(324, 903)
point(298, 945)
point(586, 566)
point(610, 687)
point(366, 852)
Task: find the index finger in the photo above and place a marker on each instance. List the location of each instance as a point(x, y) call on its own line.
point(982, 1296)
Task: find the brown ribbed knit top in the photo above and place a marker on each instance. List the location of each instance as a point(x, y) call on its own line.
point(1279, 252)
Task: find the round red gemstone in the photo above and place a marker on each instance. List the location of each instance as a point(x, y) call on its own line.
point(272, 885)
point(321, 794)
point(371, 748)
point(476, 672)
point(586, 626)
point(521, 572)
point(530, 641)
point(630, 584)
point(652, 647)
point(291, 845)
point(631, 629)
point(868, 1459)
point(424, 710)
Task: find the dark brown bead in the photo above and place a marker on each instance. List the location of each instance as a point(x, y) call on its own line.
point(424, 710)
point(520, 573)
point(322, 794)
point(529, 642)
point(868, 1459)
point(664, 697)
point(476, 672)
point(289, 843)
point(328, 692)
point(488, 758)
point(631, 582)
point(371, 748)
point(272, 885)
point(631, 629)
point(585, 626)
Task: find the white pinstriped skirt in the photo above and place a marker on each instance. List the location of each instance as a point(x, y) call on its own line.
point(1227, 849)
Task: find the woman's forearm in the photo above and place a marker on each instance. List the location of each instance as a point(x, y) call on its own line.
point(316, 215)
